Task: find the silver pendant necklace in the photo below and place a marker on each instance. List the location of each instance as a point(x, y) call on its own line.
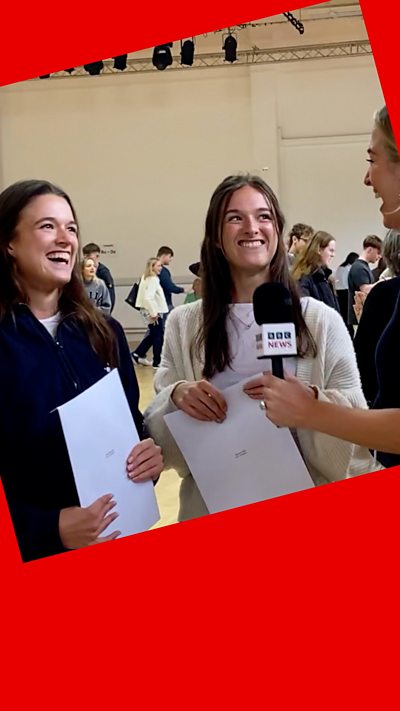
point(247, 324)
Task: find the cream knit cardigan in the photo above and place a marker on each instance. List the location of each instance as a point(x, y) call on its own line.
point(334, 371)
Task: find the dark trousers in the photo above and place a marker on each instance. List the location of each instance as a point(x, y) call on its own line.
point(153, 338)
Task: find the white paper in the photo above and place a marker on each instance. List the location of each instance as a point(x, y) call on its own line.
point(243, 460)
point(100, 433)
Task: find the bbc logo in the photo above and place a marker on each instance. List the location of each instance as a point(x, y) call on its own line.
point(278, 336)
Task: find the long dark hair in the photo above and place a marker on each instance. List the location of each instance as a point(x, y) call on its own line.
point(217, 282)
point(73, 298)
point(350, 259)
point(309, 259)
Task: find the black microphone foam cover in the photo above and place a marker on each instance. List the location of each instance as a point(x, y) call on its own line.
point(272, 303)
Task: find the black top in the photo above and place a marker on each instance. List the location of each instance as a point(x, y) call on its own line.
point(377, 312)
point(319, 287)
point(359, 274)
point(387, 364)
point(104, 273)
point(39, 373)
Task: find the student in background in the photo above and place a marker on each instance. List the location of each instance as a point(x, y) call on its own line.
point(299, 237)
point(311, 269)
point(195, 294)
point(151, 301)
point(360, 275)
point(342, 284)
point(165, 256)
point(92, 250)
point(95, 287)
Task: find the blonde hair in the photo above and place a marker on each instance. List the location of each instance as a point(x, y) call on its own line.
point(149, 270)
point(84, 262)
point(310, 258)
point(383, 123)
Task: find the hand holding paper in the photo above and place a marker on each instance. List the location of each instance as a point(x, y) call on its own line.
point(100, 434)
point(81, 527)
point(242, 460)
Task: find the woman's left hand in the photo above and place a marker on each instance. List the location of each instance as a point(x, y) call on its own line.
point(287, 402)
point(145, 461)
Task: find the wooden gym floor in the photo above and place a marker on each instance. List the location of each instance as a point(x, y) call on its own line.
point(167, 488)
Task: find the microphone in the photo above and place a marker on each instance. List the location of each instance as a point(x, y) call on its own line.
point(273, 311)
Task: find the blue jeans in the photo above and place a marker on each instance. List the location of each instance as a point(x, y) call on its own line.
point(153, 338)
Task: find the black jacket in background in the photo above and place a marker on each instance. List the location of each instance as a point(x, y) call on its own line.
point(377, 311)
point(318, 286)
point(387, 359)
point(37, 375)
point(104, 273)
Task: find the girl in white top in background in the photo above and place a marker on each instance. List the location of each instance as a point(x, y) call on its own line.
point(210, 344)
point(151, 301)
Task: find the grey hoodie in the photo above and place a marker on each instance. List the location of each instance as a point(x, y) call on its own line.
point(98, 294)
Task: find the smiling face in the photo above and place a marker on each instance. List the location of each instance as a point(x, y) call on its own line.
point(248, 236)
point(327, 254)
point(383, 176)
point(45, 244)
point(89, 269)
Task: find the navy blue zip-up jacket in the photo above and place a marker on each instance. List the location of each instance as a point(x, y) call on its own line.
point(38, 374)
point(168, 286)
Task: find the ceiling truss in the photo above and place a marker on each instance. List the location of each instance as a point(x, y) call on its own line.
point(254, 56)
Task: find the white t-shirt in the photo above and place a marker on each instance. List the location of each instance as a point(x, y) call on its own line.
point(51, 323)
point(242, 330)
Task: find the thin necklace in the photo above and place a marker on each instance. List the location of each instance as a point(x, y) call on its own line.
point(247, 324)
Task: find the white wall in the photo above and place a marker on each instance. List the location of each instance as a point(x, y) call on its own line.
point(141, 154)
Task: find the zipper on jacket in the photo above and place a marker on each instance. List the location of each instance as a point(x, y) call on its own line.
point(67, 366)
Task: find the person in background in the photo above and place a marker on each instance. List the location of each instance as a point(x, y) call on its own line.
point(151, 301)
point(377, 311)
point(95, 287)
point(54, 344)
point(380, 269)
point(211, 344)
point(165, 255)
point(288, 402)
point(195, 294)
point(342, 284)
point(311, 269)
point(92, 250)
point(299, 237)
point(360, 275)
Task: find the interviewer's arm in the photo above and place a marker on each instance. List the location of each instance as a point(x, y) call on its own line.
point(289, 405)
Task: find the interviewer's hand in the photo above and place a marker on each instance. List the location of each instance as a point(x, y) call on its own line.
point(200, 400)
point(80, 527)
point(288, 402)
point(145, 461)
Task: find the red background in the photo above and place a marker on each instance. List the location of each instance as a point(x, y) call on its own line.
point(291, 603)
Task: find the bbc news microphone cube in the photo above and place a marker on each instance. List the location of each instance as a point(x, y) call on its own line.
point(277, 339)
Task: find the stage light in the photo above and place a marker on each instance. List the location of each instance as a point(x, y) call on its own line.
point(229, 47)
point(162, 56)
point(187, 52)
point(120, 62)
point(295, 22)
point(94, 68)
